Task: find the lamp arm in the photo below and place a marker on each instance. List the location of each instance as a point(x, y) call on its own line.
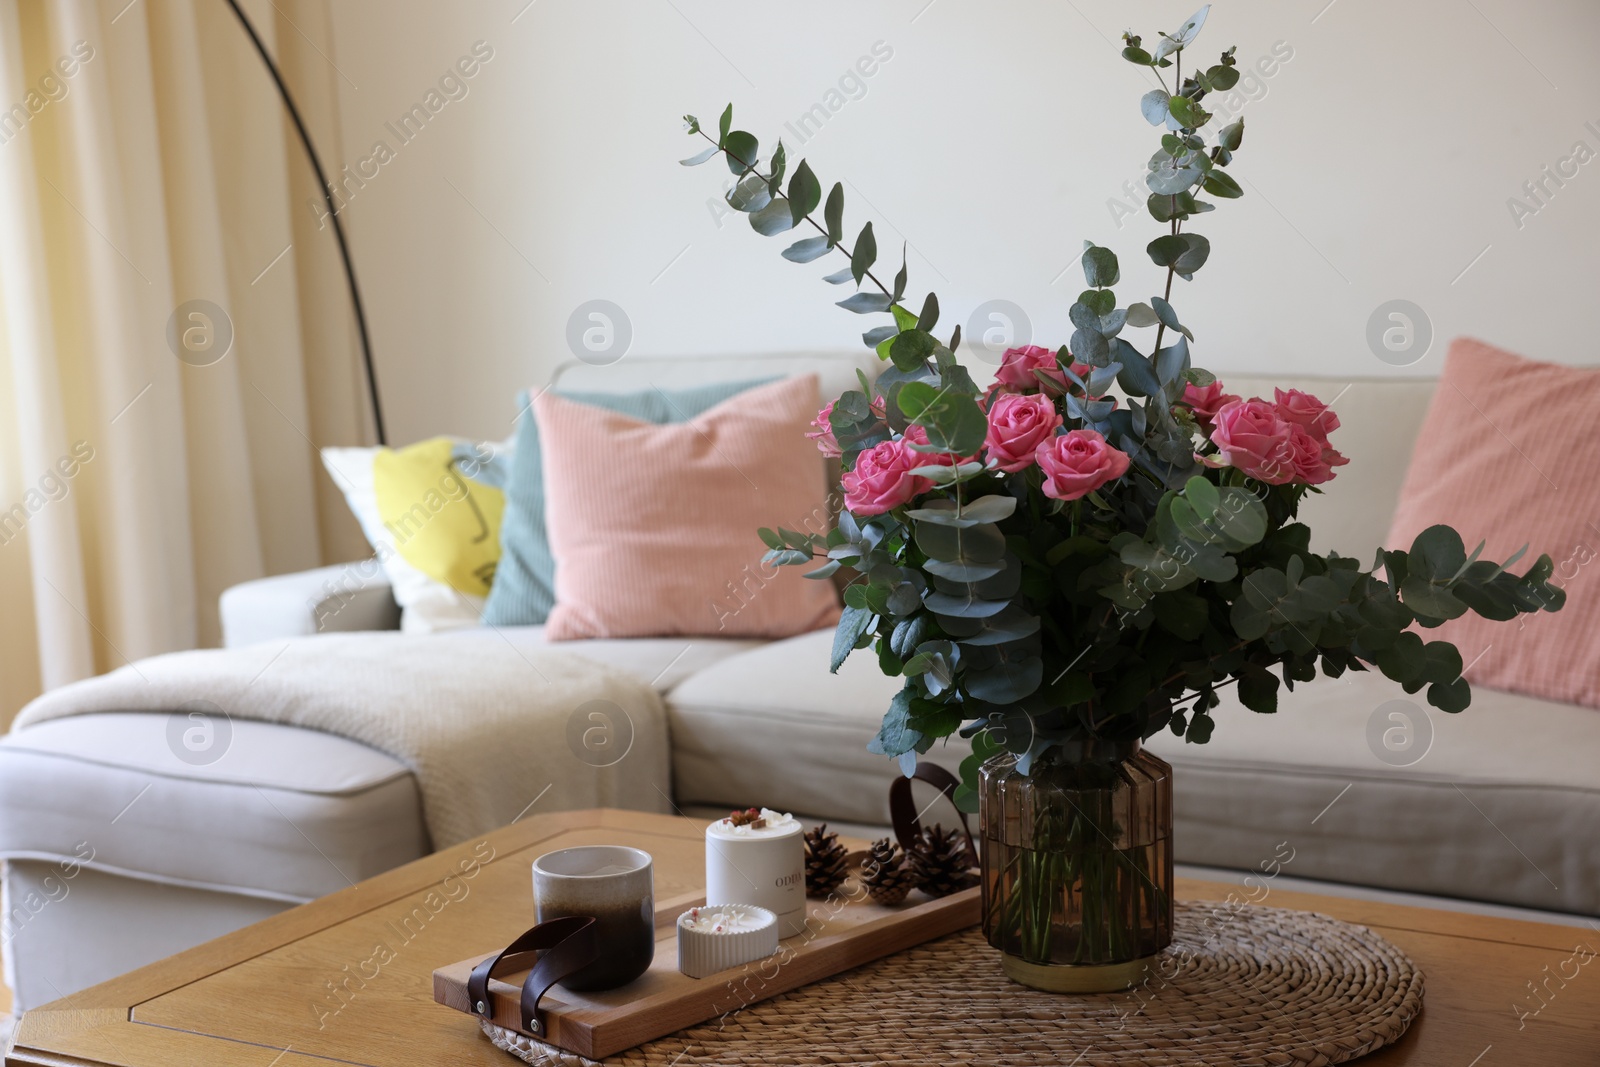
point(333, 213)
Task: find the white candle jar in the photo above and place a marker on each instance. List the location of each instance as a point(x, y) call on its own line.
point(761, 862)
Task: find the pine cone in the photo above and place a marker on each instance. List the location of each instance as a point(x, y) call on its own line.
point(884, 874)
point(825, 862)
point(941, 863)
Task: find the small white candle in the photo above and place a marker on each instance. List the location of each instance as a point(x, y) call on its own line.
point(759, 859)
point(712, 939)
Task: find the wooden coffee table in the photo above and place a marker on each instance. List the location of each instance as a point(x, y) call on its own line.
point(347, 978)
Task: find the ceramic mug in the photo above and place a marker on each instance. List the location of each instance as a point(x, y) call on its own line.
point(613, 883)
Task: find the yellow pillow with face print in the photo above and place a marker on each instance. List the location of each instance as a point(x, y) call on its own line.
point(443, 516)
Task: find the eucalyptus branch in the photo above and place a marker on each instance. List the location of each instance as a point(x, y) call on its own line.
point(750, 168)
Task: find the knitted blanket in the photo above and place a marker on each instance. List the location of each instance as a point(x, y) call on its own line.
point(484, 718)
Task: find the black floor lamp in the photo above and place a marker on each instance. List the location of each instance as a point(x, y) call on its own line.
point(333, 213)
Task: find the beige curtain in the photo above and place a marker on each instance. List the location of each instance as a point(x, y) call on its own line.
point(146, 164)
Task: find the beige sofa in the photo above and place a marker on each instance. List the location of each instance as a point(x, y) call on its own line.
point(117, 853)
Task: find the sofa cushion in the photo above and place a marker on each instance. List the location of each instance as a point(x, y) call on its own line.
point(772, 727)
point(431, 512)
point(281, 813)
point(524, 583)
point(653, 526)
point(663, 662)
point(1509, 457)
point(1500, 806)
point(1499, 803)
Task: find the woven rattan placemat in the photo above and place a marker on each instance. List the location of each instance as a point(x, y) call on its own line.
point(1248, 985)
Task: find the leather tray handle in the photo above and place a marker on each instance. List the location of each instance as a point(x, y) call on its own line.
point(564, 947)
point(903, 809)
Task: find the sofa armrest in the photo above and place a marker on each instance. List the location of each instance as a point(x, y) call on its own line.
point(344, 597)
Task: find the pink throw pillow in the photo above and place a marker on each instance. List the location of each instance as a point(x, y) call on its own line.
point(653, 527)
point(1508, 454)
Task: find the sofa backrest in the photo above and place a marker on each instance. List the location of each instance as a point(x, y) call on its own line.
point(1379, 419)
point(836, 371)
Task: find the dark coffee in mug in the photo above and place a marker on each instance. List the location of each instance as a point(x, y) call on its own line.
point(616, 886)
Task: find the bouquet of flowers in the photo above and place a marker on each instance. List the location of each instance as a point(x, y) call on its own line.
point(1096, 544)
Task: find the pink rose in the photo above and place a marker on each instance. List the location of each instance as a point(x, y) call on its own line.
point(1251, 436)
point(827, 444)
point(1314, 460)
point(1075, 464)
point(917, 435)
point(1303, 409)
point(1206, 400)
point(1018, 364)
point(1018, 425)
point(823, 435)
point(882, 478)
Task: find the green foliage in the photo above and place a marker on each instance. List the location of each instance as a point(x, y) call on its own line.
point(1020, 621)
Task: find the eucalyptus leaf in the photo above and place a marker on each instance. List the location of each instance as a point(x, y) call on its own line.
point(775, 169)
point(942, 513)
point(977, 544)
point(963, 607)
point(907, 635)
point(1169, 178)
point(963, 572)
point(1141, 315)
point(1196, 250)
point(1222, 78)
point(853, 622)
point(833, 213)
point(911, 348)
point(1453, 697)
point(865, 303)
point(743, 151)
point(944, 475)
point(896, 736)
point(1202, 496)
point(750, 194)
point(804, 251)
point(1437, 553)
point(1221, 183)
point(1100, 266)
point(1084, 317)
point(1188, 112)
point(804, 193)
point(1191, 27)
point(863, 256)
point(772, 219)
point(1137, 377)
point(1170, 363)
point(1090, 347)
point(1154, 106)
point(1007, 683)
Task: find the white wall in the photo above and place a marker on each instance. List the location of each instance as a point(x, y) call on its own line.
point(1378, 163)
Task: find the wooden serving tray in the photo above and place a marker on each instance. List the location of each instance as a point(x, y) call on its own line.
point(843, 932)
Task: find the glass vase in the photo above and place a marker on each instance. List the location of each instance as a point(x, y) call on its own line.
point(1077, 865)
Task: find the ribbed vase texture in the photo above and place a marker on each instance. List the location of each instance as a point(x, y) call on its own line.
point(1077, 856)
